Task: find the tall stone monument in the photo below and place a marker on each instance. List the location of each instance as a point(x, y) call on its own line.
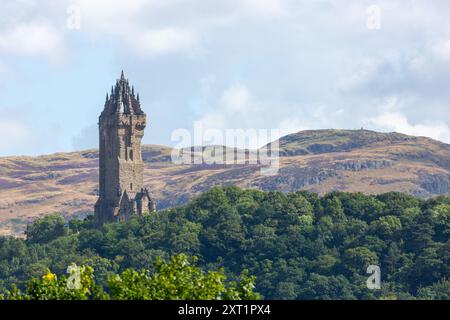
point(121, 128)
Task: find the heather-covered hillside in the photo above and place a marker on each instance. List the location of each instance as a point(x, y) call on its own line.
point(321, 161)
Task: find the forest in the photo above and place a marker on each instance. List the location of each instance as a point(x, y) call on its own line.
point(294, 245)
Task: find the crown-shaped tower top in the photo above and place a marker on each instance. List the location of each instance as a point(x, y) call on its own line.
point(122, 99)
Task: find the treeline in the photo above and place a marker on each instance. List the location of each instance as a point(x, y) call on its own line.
point(298, 245)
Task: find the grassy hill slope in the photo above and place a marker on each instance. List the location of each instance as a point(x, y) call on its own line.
point(319, 161)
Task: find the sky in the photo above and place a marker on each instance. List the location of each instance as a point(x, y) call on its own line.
point(287, 65)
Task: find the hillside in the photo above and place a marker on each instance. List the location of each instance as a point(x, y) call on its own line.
point(320, 161)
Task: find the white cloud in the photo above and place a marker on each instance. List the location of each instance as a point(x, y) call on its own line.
point(162, 41)
point(238, 109)
point(139, 24)
point(33, 39)
point(234, 108)
point(111, 16)
point(155, 27)
point(398, 122)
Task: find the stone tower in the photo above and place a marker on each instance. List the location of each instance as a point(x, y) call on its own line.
point(121, 128)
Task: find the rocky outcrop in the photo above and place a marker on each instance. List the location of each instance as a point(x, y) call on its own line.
point(358, 165)
point(435, 184)
point(293, 178)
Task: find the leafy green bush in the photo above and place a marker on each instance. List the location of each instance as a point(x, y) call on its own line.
point(179, 280)
point(50, 287)
point(174, 280)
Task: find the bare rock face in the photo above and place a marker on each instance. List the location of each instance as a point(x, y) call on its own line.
point(321, 161)
point(435, 184)
point(363, 164)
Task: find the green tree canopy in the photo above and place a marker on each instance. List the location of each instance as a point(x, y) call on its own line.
point(46, 229)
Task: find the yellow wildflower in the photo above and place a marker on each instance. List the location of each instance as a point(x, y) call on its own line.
point(49, 277)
